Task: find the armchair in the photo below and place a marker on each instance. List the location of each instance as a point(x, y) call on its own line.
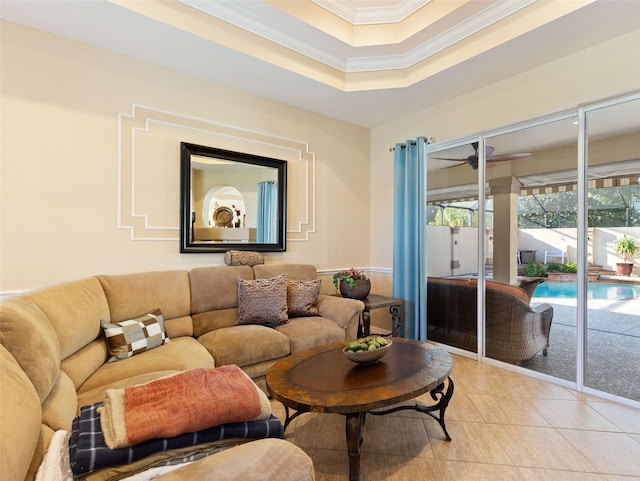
point(515, 331)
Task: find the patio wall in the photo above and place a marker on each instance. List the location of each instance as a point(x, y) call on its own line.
point(600, 244)
point(444, 246)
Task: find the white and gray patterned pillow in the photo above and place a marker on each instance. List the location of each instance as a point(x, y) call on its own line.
point(302, 297)
point(134, 336)
point(263, 301)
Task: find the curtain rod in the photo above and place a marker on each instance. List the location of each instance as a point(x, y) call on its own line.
point(428, 140)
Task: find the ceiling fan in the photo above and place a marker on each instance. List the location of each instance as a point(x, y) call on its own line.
point(472, 160)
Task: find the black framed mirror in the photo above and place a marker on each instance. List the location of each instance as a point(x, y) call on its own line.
point(231, 201)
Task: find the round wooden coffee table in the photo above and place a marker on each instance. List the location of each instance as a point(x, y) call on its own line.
point(323, 380)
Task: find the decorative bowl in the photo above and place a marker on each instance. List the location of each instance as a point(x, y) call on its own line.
point(367, 357)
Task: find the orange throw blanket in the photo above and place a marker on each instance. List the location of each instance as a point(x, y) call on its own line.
point(182, 403)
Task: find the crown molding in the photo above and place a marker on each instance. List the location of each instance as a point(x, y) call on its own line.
point(474, 24)
point(274, 27)
point(372, 14)
point(284, 30)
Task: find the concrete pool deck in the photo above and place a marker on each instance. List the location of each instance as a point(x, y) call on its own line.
point(618, 278)
point(613, 344)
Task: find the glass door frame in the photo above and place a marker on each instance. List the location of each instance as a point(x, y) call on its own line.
point(583, 304)
point(582, 230)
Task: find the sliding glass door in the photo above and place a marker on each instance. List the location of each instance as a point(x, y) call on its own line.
point(532, 178)
point(535, 213)
point(612, 335)
point(453, 239)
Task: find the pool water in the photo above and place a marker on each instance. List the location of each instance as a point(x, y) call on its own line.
point(595, 290)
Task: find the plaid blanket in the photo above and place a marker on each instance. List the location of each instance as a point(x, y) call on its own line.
point(88, 450)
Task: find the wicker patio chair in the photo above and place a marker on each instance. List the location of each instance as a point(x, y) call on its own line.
point(515, 330)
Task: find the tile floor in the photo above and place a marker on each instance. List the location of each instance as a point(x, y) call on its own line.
point(504, 426)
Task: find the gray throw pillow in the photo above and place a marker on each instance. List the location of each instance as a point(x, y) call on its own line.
point(302, 297)
point(263, 301)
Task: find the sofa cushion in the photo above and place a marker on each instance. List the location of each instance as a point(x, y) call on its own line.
point(59, 408)
point(245, 345)
point(296, 272)
point(20, 414)
point(210, 320)
point(255, 461)
point(31, 339)
point(179, 326)
point(134, 294)
point(263, 301)
point(83, 363)
point(216, 288)
point(134, 336)
point(74, 310)
point(258, 372)
point(346, 313)
point(97, 395)
point(180, 354)
point(306, 332)
point(302, 297)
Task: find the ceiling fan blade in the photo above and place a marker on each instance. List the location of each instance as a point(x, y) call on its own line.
point(453, 166)
point(504, 157)
point(455, 160)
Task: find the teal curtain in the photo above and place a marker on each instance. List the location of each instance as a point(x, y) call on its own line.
point(409, 235)
point(267, 225)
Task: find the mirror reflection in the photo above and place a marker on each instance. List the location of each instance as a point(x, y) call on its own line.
point(231, 200)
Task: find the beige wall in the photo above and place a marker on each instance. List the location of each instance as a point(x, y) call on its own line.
point(606, 70)
point(88, 137)
point(70, 110)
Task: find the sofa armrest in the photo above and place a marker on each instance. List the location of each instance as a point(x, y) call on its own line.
point(544, 312)
point(346, 313)
point(543, 307)
point(261, 460)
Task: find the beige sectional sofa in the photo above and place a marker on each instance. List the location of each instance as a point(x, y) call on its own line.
point(54, 356)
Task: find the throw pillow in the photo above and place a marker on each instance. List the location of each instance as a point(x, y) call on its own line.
point(134, 336)
point(263, 301)
point(302, 297)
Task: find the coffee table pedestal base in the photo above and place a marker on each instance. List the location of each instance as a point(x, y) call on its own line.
point(437, 394)
point(354, 422)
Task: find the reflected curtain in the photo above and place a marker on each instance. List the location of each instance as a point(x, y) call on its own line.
point(409, 235)
point(267, 224)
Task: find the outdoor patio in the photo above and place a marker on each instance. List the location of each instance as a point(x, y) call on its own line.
point(613, 345)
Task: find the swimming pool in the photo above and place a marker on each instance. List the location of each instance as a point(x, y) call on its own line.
point(595, 290)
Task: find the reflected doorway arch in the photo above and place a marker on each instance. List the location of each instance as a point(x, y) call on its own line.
point(223, 196)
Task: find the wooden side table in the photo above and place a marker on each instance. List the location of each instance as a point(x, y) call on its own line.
point(376, 301)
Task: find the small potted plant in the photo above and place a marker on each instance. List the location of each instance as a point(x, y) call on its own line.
point(628, 249)
point(352, 283)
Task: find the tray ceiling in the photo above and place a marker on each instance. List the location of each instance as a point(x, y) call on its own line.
point(362, 61)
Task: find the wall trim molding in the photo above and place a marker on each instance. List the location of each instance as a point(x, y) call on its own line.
point(301, 217)
point(378, 270)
